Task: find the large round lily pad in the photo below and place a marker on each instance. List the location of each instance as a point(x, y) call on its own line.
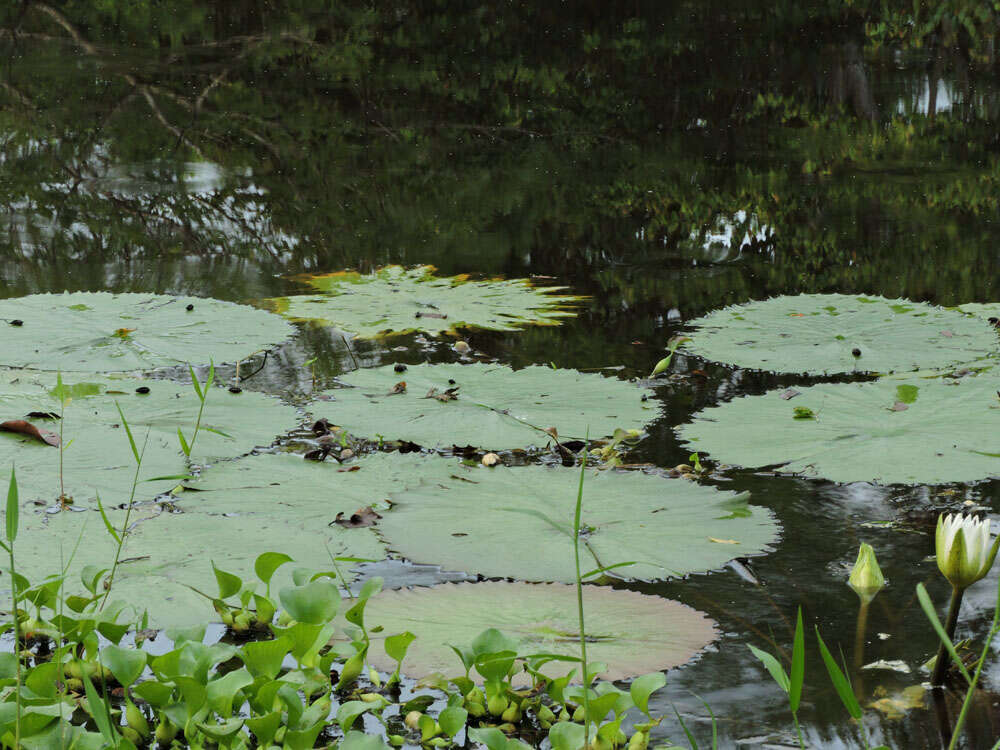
point(818, 334)
point(985, 310)
point(904, 429)
point(395, 300)
point(104, 332)
point(98, 457)
point(236, 511)
point(518, 523)
point(493, 407)
point(630, 632)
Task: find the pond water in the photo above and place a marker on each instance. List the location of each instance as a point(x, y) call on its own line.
point(664, 160)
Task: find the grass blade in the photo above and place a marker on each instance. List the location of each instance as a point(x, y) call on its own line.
point(184, 444)
point(840, 682)
point(195, 383)
point(107, 523)
point(12, 507)
point(128, 431)
point(797, 674)
point(687, 732)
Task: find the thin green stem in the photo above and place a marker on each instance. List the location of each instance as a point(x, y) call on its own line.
point(128, 514)
point(17, 645)
point(798, 730)
point(579, 600)
point(994, 629)
point(943, 660)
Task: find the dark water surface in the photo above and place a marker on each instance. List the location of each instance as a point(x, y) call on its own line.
point(665, 159)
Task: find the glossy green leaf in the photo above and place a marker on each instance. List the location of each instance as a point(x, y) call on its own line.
point(315, 603)
point(264, 658)
point(773, 666)
point(452, 720)
point(126, 664)
point(644, 686)
point(840, 682)
point(267, 563)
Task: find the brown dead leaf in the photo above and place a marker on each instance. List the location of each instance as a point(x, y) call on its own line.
point(361, 518)
point(400, 387)
point(790, 394)
point(26, 428)
point(947, 334)
point(42, 415)
point(350, 468)
point(430, 315)
point(448, 395)
point(722, 541)
point(898, 406)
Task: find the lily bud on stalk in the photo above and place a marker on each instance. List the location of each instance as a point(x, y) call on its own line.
point(964, 555)
point(866, 578)
point(964, 552)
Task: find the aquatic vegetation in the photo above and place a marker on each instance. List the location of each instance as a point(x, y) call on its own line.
point(104, 332)
point(489, 406)
point(516, 522)
point(628, 633)
point(905, 430)
point(95, 455)
point(825, 334)
point(396, 300)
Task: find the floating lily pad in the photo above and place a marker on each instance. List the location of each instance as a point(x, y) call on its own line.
point(823, 334)
point(104, 332)
point(395, 300)
point(494, 406)
point(905, 429)
point(984, 310)
point(630, 632)
point(518, 523)
point(239, 509)
point(97, 456)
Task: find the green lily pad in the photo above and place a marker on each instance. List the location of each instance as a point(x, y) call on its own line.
point(239, 509)
point(396, 300)
point(818, 334)
point(104, 332)
point(984, 310)
point(630, 632)
point(899, 430)
point(518, 523)
point(97, 456)
point(494, 407)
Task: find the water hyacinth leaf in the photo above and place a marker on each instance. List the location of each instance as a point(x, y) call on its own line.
point(264, 658)
point(495, 406)
point(628, 631)
point(949, 433)
point(315, 603)
point(105, 332)
point(484, 520)
point(394, 299)
point(98, 453)
point(452, 720)
point(126, 664)
point(268, 562)
point(643, 687)
point(349, 711)
point(355, 740)
point(824, 334)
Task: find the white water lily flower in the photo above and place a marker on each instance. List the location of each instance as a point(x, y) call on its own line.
point(964, 551)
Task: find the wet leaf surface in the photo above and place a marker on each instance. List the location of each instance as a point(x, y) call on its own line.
point(396, 300)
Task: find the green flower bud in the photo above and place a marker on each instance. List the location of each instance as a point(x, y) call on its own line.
point(866, 578)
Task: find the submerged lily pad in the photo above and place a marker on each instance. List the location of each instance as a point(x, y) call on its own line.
point(395, 300)
point(97, 456)
point(905, 430)
point(493, 407)
point(823, 334)
point(104, 332)
point(518, 523)
point(630, 632)
point(239, 509)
